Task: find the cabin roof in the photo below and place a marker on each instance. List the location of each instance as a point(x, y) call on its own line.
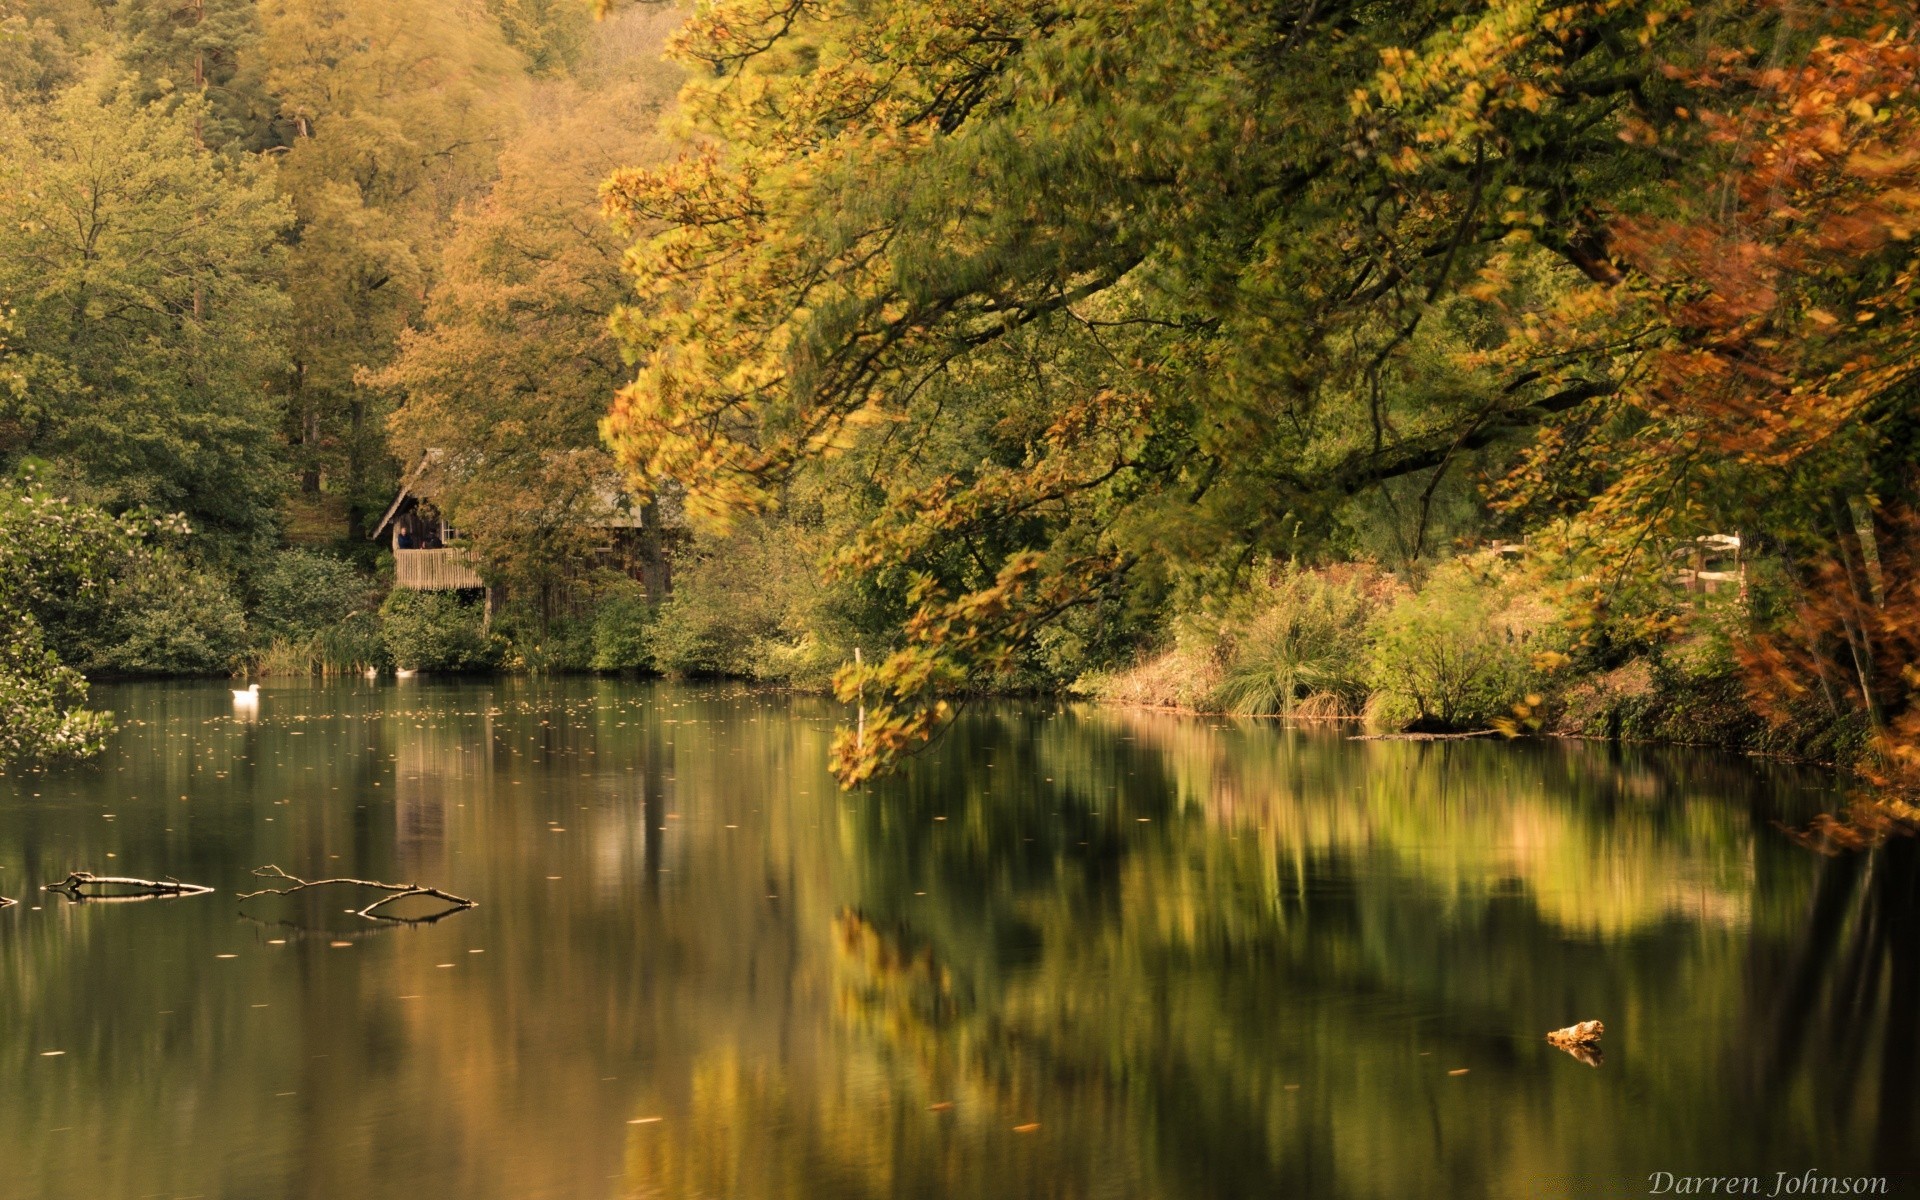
point(615, 507)
point(406, 489)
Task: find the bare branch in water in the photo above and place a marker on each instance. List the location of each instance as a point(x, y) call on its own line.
point(85, 885)
point(400, 891)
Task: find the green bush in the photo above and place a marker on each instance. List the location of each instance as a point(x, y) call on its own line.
point(744, 606)
point(302, 592)
point(622, 632)
point(549, 644)
point(43, 711)
point(167, 618)
point(693, 635)
point(436, 631)
point(1456, 654)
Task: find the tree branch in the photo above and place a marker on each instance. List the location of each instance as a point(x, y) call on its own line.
point(85, 885)
point(398, 891)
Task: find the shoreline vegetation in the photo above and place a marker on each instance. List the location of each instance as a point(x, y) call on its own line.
point(1447, 366)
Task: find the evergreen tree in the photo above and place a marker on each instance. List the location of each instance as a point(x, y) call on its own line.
point(194, 47)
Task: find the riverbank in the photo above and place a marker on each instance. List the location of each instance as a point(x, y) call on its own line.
point(1478, 645)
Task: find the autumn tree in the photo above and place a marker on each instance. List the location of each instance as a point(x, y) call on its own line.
point(1764, 329)
point(505, 383)
point(1112, 293)
point(392, 114)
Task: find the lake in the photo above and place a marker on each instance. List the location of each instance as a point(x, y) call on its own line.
point(1070, 952)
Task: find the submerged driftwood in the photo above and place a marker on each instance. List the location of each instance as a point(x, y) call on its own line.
point(397, 892)
point(1581, 1040)
point(85, 885)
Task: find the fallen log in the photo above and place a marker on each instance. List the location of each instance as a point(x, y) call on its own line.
point(397, 892)
point(85, 885)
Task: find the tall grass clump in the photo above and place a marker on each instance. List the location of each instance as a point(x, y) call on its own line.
point(1293, 644)
point(349, 646)
point(1297, 644)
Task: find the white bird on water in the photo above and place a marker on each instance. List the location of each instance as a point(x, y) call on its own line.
point(247, 697)
point(403, 673)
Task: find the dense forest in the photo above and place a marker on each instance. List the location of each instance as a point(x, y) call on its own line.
point(1454, 364)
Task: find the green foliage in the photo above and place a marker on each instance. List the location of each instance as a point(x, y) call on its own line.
point(43, 713)
point(549, 33)
point(303, 591)
point(436, 631)
point(1298, 635)
point(35, 54)
point(623, 632)
point(58, 563)
point(1458, 653)
point(168, 617)
point(318, 616)
point(347, 647)
point(142, 271)
point(536, 642)
point(194, 50)
point(752, 605)
point(117, 595)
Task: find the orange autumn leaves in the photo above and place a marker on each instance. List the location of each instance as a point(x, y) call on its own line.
point(1788, 289)
point(1769, 306)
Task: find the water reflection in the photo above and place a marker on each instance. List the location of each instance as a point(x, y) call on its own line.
point(1071, 953)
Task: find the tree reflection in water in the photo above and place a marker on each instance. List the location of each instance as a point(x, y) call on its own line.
point(1849, 994)
point(1070, 953)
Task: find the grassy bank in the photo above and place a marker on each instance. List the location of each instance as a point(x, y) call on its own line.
point(1477, 643)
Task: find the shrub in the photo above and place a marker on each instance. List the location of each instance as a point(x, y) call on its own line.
point(42, 702)
point(346, 647)
point(741, 607)
point(435, 631)
point(550, 644)
point(302, 592)
point(166, 618)
point(1456, 654)
point(622, 631)
point(693, 635)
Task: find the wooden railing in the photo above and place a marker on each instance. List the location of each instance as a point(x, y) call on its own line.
point(434, 570)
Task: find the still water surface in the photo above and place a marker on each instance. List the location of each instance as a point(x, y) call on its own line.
point(1072, 953)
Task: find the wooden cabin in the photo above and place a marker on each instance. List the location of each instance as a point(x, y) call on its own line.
point(427, 555)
